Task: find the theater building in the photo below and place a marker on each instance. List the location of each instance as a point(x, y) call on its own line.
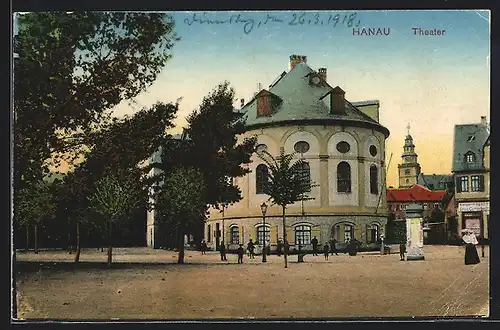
point(343, 145)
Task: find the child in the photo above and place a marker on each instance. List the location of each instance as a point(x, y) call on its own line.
point(241, 252)
point(326, 251)
point(402, 251)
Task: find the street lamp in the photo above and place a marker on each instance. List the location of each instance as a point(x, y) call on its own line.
point(263, 209)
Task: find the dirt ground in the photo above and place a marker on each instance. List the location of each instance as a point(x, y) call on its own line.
point(154, 287)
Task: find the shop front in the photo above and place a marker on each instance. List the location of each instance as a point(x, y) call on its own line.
point(474, 216)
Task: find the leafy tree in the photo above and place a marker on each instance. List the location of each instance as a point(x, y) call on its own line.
point(287, 184)
point(71, 69)
point(213, 131)
point(181, 202)
point(111, 200)
point(35, 204)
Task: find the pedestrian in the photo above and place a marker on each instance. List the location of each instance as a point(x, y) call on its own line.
point(402, 251)
point(326, 250)
point(222, 251)
point(333, 246)
point(314, 243)
point(240, 252)
point(470, 240)
point(251, 248)
point(279, 248)
point(204, 247)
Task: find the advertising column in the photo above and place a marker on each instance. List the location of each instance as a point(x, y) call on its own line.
point(414, 233)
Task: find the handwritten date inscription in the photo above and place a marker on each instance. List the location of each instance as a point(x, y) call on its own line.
point(296, 19)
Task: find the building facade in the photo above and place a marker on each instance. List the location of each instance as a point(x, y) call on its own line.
point(471, 167)
point(343, 145)
point(409, 169)
point(436, 181)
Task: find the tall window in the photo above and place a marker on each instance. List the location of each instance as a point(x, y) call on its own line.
point(235, 235)
point(262, 178)
point(304, 171)
point(348, 233)
point(344, 177)
point(463, 184)
point(373, 233)
point(209, 233)
point(373, 180)
point(303, 235)
point(263, 232)
point(477, 183)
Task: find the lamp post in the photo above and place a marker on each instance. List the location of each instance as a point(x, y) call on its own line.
point(263, 209)
point(223, 225)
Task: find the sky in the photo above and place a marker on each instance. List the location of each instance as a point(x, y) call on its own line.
point(431, 82)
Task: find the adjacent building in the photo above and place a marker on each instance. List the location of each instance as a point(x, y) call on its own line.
point(343, 145)
point(471, 167)
point(436, 181)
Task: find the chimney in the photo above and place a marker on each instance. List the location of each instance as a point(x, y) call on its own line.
point(322, 73)
point(337, 100)
point(296, 59)
point(483, 120)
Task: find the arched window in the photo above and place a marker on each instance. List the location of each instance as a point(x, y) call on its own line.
point(235, 235)
point(263, 232)
point(344, 177)
point(261, 179)
point(348, 232)
point(303, 170)
point(373, 233)
point(373, 180)
point(303, 234)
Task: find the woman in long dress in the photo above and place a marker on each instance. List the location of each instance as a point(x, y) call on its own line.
point(471, 256)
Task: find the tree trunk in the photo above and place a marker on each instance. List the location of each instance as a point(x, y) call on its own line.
point(14, 285)
point(180, 243)
point(286, 245)
point(110, 245)
point(70, 248)
point(77, 255)
point(36, 237)
point(27, 238)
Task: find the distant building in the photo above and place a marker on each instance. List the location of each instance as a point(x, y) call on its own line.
point(343, 145)
point(436, 181)
point(434, 221)
point(471, 168)
point(154, 236)
point(409, 169)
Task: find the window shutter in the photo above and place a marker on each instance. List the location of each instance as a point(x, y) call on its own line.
point(481, 183)
point(458, 184)
point(290, 237)
point(227, 239)
point(242, 235)
point(316, 231)
point(253, 234)
point(274, 234)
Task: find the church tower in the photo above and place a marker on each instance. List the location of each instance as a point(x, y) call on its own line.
point(409, 169)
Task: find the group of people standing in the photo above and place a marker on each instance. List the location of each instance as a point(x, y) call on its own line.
point(328, 247)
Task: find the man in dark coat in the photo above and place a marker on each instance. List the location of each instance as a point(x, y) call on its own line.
point(333, 247)
point(203, 247)
point(314, 243)
point(250, 248)
point(222, 250)
point(402, 251)
point(240, 252)
point(279, 248)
